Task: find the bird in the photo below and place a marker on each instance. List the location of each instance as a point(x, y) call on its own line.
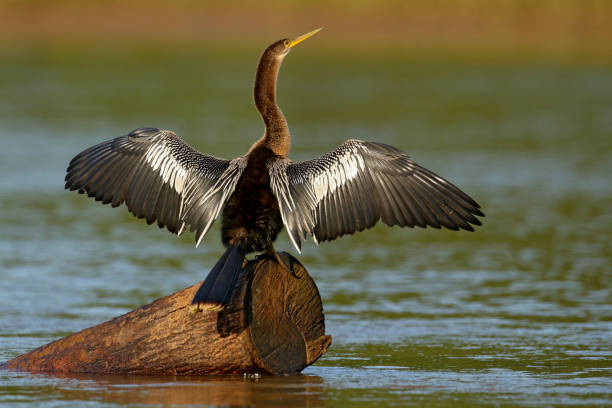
point(351, 188)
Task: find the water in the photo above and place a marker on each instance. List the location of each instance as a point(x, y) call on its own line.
point(517, 313)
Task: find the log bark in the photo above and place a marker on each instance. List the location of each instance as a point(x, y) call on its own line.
point(274, 324)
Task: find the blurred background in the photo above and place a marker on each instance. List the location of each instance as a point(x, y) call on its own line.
point(510, 100)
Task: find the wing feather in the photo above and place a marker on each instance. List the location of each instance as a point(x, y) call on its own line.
point(158, 177)
point(360, 183)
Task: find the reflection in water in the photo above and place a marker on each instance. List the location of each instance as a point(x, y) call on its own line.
point(264, 391)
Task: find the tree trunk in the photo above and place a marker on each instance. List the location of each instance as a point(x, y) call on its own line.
point(274, 325)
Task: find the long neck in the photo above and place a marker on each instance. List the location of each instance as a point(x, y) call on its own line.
point(276, 137)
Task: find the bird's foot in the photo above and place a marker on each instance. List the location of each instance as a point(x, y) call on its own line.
point(197, 307)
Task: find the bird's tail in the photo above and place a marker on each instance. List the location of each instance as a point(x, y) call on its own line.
point(216, 290)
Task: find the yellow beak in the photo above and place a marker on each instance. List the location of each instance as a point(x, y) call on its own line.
point(303, 37)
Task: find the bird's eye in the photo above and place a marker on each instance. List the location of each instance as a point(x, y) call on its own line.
point(287, 43)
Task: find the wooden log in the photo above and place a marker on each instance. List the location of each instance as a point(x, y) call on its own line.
point(274, 325)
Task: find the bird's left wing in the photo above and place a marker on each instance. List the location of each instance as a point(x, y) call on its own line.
point(359, 183)
point(159, 177)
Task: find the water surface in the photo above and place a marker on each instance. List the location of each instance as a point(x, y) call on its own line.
point(517, 313)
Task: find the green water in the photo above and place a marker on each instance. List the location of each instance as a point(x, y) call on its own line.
point(517, 313)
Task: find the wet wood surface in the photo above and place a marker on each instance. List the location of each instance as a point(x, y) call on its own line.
point(274, 324)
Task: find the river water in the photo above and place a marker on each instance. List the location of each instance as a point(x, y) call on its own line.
point(517, 313)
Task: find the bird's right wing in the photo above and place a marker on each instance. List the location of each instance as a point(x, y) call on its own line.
point(359, 183)
point(159, 178)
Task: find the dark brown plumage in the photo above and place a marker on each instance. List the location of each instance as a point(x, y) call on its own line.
point(251, 217)
point(349, 189)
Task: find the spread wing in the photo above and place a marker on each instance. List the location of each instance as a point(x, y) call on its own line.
point(159, 178)
point(354, 186)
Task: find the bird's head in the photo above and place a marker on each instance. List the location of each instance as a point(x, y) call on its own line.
point(282, 47)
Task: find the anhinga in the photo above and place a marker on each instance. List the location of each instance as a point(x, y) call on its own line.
point(349, 189)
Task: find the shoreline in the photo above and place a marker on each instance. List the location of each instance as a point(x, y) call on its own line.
point(522, 31)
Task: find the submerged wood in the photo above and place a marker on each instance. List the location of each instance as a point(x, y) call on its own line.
point(274, 324)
